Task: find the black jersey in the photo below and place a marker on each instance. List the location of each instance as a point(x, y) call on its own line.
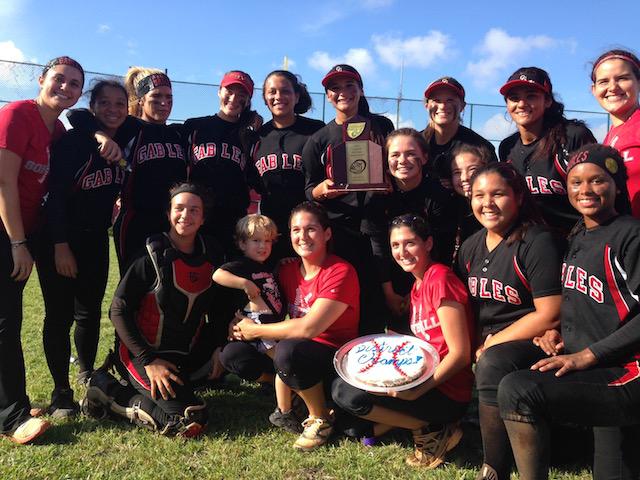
point(160, 303)
point(547, 177)
point(439, 156)
point(82, 187)
point(600, 287)
point(345, 210)
point(503, 282)
point(220, 161)
point(278, 160)
point(263, 278)
point(155, 160)
point(429, 200)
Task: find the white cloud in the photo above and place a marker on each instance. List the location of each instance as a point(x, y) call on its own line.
point(18, 79)
point(415, 51)
point(9, 51)
point(360, 58)
point(402, 122)
point(500, 51)
point(104, 28)
point(496, 127)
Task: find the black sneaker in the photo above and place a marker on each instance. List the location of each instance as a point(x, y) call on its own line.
point(62, 404)
point(287, 420)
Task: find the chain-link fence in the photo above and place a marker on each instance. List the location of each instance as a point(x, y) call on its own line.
point(19, 80)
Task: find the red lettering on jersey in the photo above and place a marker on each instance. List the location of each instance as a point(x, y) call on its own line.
point(512, 295)
point(171, 152)
point(581, 276)
point(564, 270)
point(211, 150)
point(595, 289)
point(160, 151)
point(557, 187)
point(225, 151)
point(483, 289)
point(496, 288)
point(273, 161)
point(151, 151)
point(529, 180)
point(568, 282)
point(142, 154)
point(473, 285)
point(236, 154)
point(87, 182)
point(285, 162)
point(297, 161)
point(543, 182)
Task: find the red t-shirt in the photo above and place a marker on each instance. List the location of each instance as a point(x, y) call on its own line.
point(337, 280)
point(438, 284)
point(626, 139)
point(23, 131)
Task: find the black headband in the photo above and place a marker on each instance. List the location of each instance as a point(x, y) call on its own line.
point(150, 82)
point(63, 61)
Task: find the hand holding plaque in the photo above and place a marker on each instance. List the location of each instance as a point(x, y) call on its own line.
point(357, 164)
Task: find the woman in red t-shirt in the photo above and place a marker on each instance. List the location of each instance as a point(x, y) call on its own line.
point(615, 81)
point(27, 130)
point(440, 314)
point(322, 293)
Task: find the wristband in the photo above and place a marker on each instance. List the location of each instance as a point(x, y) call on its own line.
point(18, 243)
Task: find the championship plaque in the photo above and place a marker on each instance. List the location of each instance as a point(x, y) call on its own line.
point(357, 163)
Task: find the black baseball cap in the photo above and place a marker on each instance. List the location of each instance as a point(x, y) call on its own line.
point(528, 76)
point(445, 82)
point(342, 70)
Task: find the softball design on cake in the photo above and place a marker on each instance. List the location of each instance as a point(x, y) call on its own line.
point(386, 361)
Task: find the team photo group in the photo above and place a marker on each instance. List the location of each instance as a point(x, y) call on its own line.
point(386, 279)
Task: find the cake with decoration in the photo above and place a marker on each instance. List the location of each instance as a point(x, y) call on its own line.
point(386, 361)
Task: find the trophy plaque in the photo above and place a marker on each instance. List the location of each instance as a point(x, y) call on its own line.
point(357, 163)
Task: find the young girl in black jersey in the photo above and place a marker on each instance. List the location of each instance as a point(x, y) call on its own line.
point(444, 101)
point(220, 156)
point(512, 270)
point(278, 155)
point(153, 155)
point(73, 260)
point(540, 149)
point(592, 374)
point(344, 89)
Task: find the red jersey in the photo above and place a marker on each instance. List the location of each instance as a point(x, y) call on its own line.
point(337, 280)
point(626, 139)
point(23, 132)
point(438, 284)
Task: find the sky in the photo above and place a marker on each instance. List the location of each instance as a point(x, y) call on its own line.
point(478, 42)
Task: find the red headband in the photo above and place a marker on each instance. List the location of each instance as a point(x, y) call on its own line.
point(619, 56)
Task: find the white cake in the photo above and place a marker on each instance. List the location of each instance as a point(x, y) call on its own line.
point(386, 361)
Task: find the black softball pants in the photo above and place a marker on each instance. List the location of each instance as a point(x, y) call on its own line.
point(584, 397)
point(164, 412)
point(67, 299)
point(300, 363)
point(14, 402)
point(434, 407)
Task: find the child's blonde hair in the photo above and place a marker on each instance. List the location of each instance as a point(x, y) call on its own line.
point(247, 227)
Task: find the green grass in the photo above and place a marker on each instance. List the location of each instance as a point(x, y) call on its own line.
point(239, 444)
